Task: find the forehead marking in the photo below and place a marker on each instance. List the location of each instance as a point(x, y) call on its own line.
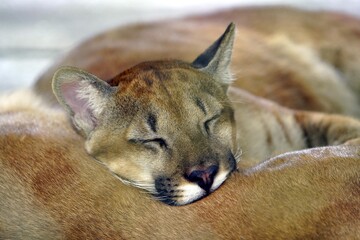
point(201, 105)
point(152, 122)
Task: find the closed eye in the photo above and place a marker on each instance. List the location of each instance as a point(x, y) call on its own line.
point(208, 123)
point(160, 141)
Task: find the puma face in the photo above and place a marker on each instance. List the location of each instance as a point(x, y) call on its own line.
point(163, 126)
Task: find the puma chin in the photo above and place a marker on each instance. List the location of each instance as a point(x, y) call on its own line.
point(163, 126)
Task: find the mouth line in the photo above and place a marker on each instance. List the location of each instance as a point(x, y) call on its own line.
point(169, 200)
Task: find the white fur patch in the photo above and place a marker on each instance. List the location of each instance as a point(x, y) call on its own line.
point(191, 192)
point(25, 100)
point(298, 156)
point(92, 96)
point(20, 100)
point(219, 179)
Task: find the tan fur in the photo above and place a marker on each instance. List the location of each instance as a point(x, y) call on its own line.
point(265, 129)
point(52, 189)
point(302, 194)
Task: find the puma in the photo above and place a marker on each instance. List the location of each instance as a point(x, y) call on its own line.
point(177, 129)
point(168, 126)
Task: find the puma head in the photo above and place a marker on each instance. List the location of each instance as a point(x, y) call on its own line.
point(164, 126)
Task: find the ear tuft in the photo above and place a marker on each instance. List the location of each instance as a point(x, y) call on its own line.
point(83, 95)
point(216, 59)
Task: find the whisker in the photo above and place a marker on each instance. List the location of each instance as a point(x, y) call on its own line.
point(149, 187)
point(239, 101)
point(160, 198)
point(238, 153)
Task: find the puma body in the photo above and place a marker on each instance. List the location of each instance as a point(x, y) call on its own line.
point(52, 189)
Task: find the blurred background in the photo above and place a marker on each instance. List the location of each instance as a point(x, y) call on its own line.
point(35, 32)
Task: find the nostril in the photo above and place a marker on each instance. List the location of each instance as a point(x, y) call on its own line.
point(203, 177)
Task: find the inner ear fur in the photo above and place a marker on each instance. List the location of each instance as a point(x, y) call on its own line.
point(83, 95)
point(216, 59)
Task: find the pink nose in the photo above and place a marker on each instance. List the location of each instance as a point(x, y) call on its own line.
point(204, 177)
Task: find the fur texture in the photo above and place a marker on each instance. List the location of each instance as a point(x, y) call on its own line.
point(53, 189)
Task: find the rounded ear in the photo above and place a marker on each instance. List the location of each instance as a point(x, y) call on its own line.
point(83, 95)
point(216, 59)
